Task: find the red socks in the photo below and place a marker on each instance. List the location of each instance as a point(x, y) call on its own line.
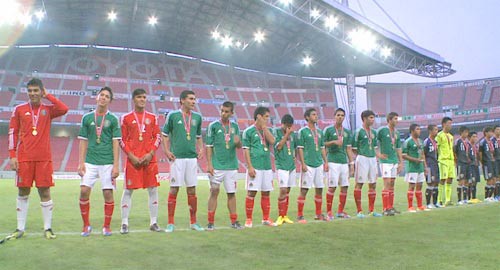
point(172, 201)
point(85, 211)
point(108, 213)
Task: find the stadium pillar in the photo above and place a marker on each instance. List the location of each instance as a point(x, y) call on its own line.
point(351, 97)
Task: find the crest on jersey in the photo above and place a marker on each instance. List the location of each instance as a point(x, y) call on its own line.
point(129, 182)
point(251, 184)
point(107, 123)
point(194, 122)
point(172, 180)
point(147, 121)
point(44, 112)
point(179, 122)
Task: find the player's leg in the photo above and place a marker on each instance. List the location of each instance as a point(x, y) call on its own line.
point(177, 169)
point(372, 187)
point(191, 181)
point(283, 179)
point(265, 202)
point(126, 205)
point(214, 182)
point(449, 181)
point(230, 184)
point(292, 179)
point(410, 179)
point(108, 186)
point(418, 196)
point(306, 180)
point(385, 171)
point(86, 185)
point(47, 206)
point(25, 177)
point(443, 175)
point(318, 196)
point(333, 182)
point(429, 189)
point(361, 177)
point(253, 185)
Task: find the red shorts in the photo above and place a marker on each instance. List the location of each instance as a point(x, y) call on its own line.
point(142, 177)
point(39, 172)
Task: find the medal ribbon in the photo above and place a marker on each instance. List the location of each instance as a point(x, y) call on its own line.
point(98, 130)
point(187, 123)
point(261, 136)
point(34, 118)
point(227, 133)
point(141, 125)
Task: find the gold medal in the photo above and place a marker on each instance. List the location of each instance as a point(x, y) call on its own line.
point(289, 152)
point(34, 132)
point(227, 146)
point(98, 140)
point(140, 137)
point(188, 137)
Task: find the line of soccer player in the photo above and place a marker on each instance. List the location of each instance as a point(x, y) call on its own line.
point(333, 153)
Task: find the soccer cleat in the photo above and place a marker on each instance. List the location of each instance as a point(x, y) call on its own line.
point(286, 219)
point(375, 214)
point(124, 229)
point(49, 234)
point(388, 213)
point(268, 222)
point(438, 205)
point(236, 225)
point(15, 235)
point(342, 215)
point(430, 206)
point(301, 220)
point(395, 211)
point(210, 227)
point(154, 228)
point(279, 221)
point(330, 217)
point(197, 227)
point(170, 228)
point(320, 217)
point(248, 223)
point(411, 210)
point(360, 215)
point(423, 208)
point(106, 231)
point(86, 231)
point(460, 203)
point(448, 203)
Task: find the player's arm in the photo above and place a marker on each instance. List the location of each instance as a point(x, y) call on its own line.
point(82, 154)
point(13, 140)
point(116, 158)
point(248, 160)
point(354, 143)
point(399, 151)
point(166, 147)
point(269, 136)
point(199, 142)
point(283, 140)
point(59, 108)
point(124, 144)
point(350, 157)
point(209, 145)
point(155, 144)
point(325, 161)
point(237, 140)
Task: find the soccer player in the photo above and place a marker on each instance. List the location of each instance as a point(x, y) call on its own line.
point(100, 137)
point(223, 138)
point(463, 160)
point(389, 142)
point(140, 140)
point(30, 154)
point(475, 176)
point(487, 158)
point(256, 141)
point(412, 152)
point(312, 156)
point(364, 144)
point(446, 160)
point(181, 137)
point(284, 154)
point(496, 143)
point(432, 175)
point(338, 141)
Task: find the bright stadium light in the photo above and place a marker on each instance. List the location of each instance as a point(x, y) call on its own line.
point(40, 15)
point(259, 36)
point(227, 41)
point(237, 44)
point(385, 51)
point(152, 20)
point(363, 40)
point(215, 34)
point(315, 13)
point(9, 12)
point(286, 2)
point(307, 60)
point(112, 15)
point(331, 22)
point(25, 19)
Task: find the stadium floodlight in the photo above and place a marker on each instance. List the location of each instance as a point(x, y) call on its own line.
point(40, 15)
point(25, 19)
point(315, 13)
point(259, 36)
point(10, 12)
point(152, 20)
point(215, 35)
point(385, 51)
point(331, 22)
point(227, 41)
point(307, 60)
point(286, 2)
point(112, 15)
point(237, 44)
point(363, 40)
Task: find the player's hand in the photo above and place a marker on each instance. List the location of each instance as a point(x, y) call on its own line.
point(325, 167)
point(81, 169)
point(146, 159)
point(251, 172)
point(381, 156)
point(304, 168)
point(237, 140)
point(200, 154)
point(288, 131)
point(210, 170)
point(135, 160)
point(115, 172)
point(44, 92)
point(400, 167)
point(14, 164)
point(170, 156)
point(351, 169)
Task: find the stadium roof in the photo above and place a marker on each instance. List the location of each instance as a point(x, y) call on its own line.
point(337, 40)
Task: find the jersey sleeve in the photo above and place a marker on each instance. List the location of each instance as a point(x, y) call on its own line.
point(301, 139)
point(398, 141)
point(348, 137)
point(83, 134)
point(327, 135)
point(116, 130)
point(13, 134)
point(375, 143)
point(123, 143)
point(354, 140)
point(58, 108)
point(209, 140)
point(246, 139)
point(167, 128)
point(322, 140)
point(156, 134)
point(405, 147)
point(198, 128)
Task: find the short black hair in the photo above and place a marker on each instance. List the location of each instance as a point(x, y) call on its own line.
point(185, 93)
point(462, 129)
point(445, 120)
point(472, 133)
point(107, 88)
point(138, 91)
point(287, 119)
point(260, 111)
point(339, 110)
point(228, 104)
point(487, 129)
point(392, 115)
point(35, 82)
point(431, 127)
point(366, 114)
point(308, 112)
point(413, 126)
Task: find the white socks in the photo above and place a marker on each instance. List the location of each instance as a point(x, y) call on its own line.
point(126, 205)
point(47, 214)
point(22, 212)
point(153, 204)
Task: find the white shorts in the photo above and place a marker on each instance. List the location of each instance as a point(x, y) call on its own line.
point(228, 177)
point(313, 177)
point(415, 178)
point(338, 174)
point(184, 172)
point(263, 181)
point(94, 172)
point(286, 179)
point(388, 170)
point(366, 170)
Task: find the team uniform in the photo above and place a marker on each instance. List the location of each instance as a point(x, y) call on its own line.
point(388, 142)
point(338, 167)
point(463, 153)
point(285, 166)
point(415, 170)
point(446, 161)
point(431, 160)
point(496, 145)
point(487, 152)
point(29, 142)
point(475, 176)
point(183, 130)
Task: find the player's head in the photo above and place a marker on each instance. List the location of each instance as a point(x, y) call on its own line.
point(226, 110)
point(392, 119)
point(433, 130)
point(472, 137)
point(287, 121)
point(415, 130)
point(368, 117)
point(187, 99)
point(488, 132)
point(446, 123)
point(261, 115)
point(104, 96)
point(339, 116)
point(139, 97)
point(463, 131)
point(496, 130)
point(311, 116)
point(35, 89)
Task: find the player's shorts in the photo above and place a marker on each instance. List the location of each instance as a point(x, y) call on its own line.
point(313, 177)
point(433, 173)
point(388, 170)
point(489, 169)
point(39, 172)
point(263, 181)
point(94, 172)
point(228, 177)
point(475, 176)
point(142, 177)
point(338, 174)
point(447, 169)
point(366, 170)
point(415, 178)
point(463, 171)
point(184, 172)
point(286, 178)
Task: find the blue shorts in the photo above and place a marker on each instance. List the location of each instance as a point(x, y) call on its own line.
point(433, 175)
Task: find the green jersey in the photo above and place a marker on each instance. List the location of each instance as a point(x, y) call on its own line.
point(388, 142)
point(335, 153)
point(285, 158)
point(182, 142)
point(414, 148)
point(365, 142)
point(221, 139)
point(100, 148)
point(311, 144)
point(260, 154)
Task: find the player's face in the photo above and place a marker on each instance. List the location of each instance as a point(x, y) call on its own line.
point(34, 94)
point(189, 102)
point(473, 139)
point(447, 126)
point(287, 126)
point(393, 122)
point(497, 131)
point(489, 134)
point(369, 120)
point(339, 117)
point(263, 119)
point(225, 113)
point(103, 98)
point(140, 101)
point(465, 134)
point(417, 131)
point(313, 117)
point(434, 132)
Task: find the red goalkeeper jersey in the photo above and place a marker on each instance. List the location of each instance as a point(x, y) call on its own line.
point(140, 133)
